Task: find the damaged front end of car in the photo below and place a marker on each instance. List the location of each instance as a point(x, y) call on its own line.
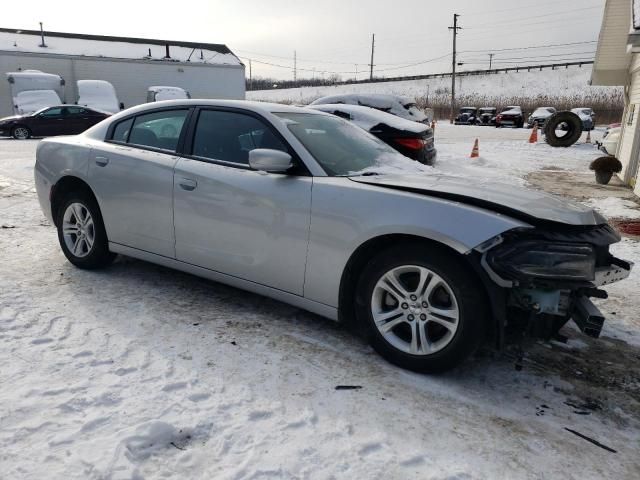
point(548, 276)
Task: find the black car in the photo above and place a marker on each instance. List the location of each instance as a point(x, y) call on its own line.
point(486, 116)
point(467, 116)
point(58, 120)
point(412, 139)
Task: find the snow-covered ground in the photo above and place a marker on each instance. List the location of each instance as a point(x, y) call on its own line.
point(138, 371)
point(570, 84)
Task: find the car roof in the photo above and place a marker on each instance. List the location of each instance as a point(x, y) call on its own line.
point(259, 107)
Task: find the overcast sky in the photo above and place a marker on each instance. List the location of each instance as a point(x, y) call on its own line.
point(335, 35)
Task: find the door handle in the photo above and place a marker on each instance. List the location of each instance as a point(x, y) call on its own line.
point(102, 161)
point(188, 184)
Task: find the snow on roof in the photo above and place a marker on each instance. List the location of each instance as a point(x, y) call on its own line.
point(58, 43)
point(636, 14)
point(33, 100)
point(401, 106)
point(367, 118)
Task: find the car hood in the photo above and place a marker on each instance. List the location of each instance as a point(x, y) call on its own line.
point(511, 112)
point(532, 206)
point(9, 119)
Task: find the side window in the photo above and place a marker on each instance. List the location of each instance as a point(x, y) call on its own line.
point(76, 111)
point(121, 132)
point(52, 112)
point(158, 129)
point(230, 136)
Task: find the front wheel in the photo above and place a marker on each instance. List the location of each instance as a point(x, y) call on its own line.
point(421, 307)
point(81, 232)
point(21, 133)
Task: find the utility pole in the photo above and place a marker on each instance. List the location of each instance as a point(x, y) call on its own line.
point(295, 68)
point(455, 29)
point(491, 59)
point(373, 47)
point(250, 76)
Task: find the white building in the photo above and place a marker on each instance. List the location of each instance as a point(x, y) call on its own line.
point(131, 65)
point(618, 63)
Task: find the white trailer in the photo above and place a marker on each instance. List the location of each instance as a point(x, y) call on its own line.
point(98, 94)
point(31, 90)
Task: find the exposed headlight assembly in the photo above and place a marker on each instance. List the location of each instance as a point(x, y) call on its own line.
point(544, 261)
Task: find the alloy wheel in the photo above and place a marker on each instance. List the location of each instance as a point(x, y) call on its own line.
point(415, 310)
point(78, 230)
point(21, 133)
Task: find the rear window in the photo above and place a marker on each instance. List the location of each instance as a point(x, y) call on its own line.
point(121, 132)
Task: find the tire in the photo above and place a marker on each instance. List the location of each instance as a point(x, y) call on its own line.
point(449, 311)
point(20, 132)
point(81, 232)
point(573, 129)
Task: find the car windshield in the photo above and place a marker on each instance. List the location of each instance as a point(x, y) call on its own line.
point(342, 149)
point(467, 110)
point(487, 110)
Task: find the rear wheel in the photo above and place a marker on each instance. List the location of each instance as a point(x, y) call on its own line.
point(421, 308)
point(81, 232)
point(21, 132)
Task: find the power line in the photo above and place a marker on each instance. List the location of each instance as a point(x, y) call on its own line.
point(493, 12)
point(525, 19)
point(550, 45)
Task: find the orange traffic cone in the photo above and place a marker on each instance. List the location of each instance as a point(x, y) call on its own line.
point(588, 136)
point(534, 133)
point(475, 153)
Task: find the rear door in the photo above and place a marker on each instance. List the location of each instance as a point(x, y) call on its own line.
point(132, 177)
point(234, 220)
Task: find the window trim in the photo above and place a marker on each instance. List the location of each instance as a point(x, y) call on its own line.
point(300, 169)
point(181, 138)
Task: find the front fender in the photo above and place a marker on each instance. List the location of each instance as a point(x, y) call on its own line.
point(346, 214)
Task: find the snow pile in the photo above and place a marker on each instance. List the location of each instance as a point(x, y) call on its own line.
point(615, 207)
point(168, 93)
point(367, 118)
point(30, 101)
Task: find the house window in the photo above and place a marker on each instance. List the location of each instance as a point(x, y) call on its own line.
point(631, 114)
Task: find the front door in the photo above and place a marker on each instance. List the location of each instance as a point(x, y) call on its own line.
point(132, 177)
point(234, 220)
point(50, 122)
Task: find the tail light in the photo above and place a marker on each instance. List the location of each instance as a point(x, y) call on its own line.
point(412, 143)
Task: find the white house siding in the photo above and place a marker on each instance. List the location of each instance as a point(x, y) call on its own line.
point(131, 78)
point(630, 141)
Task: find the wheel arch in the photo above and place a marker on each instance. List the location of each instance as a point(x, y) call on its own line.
point(368, 249)
point(64, 185)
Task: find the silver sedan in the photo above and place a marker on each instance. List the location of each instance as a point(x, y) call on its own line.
point(304, 207)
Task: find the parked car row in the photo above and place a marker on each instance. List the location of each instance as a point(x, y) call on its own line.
point(513, 116)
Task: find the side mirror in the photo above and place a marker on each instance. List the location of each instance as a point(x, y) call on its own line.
point(267, 160)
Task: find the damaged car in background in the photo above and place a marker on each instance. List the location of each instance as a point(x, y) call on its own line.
point(412, 139)
point(307, 208)
point(402, 107)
